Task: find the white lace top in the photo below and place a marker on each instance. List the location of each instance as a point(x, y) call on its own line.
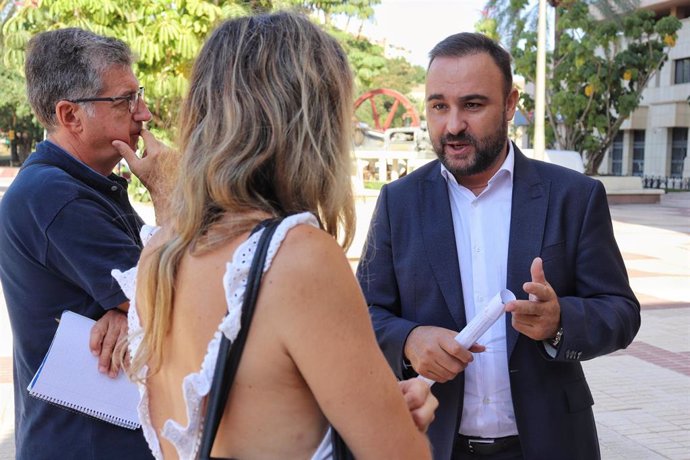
point(196, 386)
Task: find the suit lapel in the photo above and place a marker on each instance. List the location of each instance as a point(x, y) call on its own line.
point(527, 223)
point(439, 242)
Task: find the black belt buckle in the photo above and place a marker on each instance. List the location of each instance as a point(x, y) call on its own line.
point(479, 446)
point(488, 446)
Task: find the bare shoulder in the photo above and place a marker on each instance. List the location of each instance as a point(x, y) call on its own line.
point(311, 242)
point(309, 252)
point(311, 274)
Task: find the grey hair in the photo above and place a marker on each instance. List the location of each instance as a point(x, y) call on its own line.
point(68, 64)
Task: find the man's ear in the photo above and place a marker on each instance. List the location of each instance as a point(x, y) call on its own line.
point(511, 103)
point(69, 115)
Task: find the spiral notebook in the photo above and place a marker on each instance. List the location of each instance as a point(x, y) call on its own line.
point(69, 377)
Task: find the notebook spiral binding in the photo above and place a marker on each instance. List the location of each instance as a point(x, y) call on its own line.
point(83, 410)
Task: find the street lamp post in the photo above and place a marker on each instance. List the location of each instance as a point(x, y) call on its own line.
point(540, 89)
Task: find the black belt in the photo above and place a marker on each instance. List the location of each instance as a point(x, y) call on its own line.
point(486, 446)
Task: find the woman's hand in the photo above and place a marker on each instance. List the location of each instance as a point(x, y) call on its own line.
point(421, 403)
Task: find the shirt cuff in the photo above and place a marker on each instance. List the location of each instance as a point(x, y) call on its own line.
point(550, 349)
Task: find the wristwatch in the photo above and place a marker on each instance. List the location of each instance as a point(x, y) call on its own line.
point(556, 340)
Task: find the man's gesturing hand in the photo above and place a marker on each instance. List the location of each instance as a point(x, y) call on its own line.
point(105, 340)
point(146, 168)
point(150, 169)
point(434, 353)
point(539, 317)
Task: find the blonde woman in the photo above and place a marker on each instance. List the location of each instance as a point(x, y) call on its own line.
point(265, 131)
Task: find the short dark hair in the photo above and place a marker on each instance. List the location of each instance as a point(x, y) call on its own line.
point(468, 43)
point(68, 64)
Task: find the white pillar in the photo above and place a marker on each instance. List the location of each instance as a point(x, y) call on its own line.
point(540, 87)
point(383, 173)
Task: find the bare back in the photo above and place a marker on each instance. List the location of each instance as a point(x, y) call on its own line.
point(310, 351)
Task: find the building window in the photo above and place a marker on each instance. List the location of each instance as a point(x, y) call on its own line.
point(638, 152)
point(682, 71)
point(679, 150)
point(617, 155)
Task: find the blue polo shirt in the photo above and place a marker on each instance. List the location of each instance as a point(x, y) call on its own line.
point(63, 227)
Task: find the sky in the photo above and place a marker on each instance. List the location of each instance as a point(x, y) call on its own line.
point(418, 25)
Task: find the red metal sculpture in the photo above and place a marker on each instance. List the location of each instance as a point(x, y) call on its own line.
point(410, 116)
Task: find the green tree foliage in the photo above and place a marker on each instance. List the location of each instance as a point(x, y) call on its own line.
point(15, 115)
point(598, 71)
point(487, 25)
point(366, 58)
point(515, 17)
point(13, 103)
point(257, 6)
point(328, 9)
point(399, 75)
point(165, 35)
point(372, 69)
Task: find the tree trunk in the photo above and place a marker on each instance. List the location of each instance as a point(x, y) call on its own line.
point(594, 160)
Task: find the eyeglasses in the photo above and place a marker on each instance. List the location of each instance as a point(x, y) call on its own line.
point(132, 99)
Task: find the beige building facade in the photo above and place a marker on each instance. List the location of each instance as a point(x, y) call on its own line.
point(654, 141)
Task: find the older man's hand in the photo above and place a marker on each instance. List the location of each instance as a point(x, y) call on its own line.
point(107, 338)
point(152, 168)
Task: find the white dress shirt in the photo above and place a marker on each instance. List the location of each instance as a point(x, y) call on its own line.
point(482, 229)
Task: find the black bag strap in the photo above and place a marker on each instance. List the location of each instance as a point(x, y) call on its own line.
point(229, 354)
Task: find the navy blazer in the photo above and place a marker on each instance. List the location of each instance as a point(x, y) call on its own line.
point(410, 276)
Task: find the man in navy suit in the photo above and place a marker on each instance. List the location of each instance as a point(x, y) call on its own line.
point(449, 236)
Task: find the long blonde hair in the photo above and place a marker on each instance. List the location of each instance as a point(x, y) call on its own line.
point(265, 129)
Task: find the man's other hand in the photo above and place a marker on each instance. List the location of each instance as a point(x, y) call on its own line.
point(434, 353)
point(537, 318)
point(107, 337)
point(146, 167)
point(153, 168)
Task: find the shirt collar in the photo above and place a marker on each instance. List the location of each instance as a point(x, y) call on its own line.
point(506, 169)
point(52, 154)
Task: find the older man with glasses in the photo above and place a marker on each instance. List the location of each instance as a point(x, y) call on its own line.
point(66, 221)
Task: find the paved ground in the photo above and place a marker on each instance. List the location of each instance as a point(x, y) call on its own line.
point(642, 394)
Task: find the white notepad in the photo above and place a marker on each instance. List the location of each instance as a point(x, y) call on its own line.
point(69, 377)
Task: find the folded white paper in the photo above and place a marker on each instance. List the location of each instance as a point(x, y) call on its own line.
point(481, 322)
